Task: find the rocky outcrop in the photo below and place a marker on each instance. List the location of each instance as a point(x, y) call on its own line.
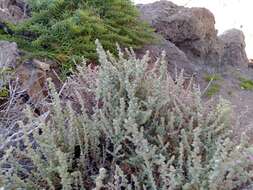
point(192, 30)
point(182, 26)
point(234, 52)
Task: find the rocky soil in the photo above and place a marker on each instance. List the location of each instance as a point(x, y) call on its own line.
point(187, 35)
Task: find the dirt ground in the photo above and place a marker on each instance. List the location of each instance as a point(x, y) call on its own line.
point(241, 99)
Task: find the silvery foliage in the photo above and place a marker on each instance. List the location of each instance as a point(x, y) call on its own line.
point(135, 127)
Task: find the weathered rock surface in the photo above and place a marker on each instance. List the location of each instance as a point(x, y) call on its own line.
point(190, 29)
point(179, 24)
point(234, 44)
point(30, 76)
point(193, 31)
point(32, 79)
point(176, 58)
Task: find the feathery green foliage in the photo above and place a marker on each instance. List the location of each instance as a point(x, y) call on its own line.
point(134, 128)
point(67, 30)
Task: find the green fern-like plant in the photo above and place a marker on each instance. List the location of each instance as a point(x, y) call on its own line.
point(65, 30)
point(129, 126)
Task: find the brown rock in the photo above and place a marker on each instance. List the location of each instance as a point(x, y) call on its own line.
point(187, 28)
point(192, 30)
point(32, 81)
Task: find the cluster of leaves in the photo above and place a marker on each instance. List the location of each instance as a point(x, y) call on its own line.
point(129, 125)
point(65, 30)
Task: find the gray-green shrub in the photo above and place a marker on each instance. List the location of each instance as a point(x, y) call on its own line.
point(129, 125)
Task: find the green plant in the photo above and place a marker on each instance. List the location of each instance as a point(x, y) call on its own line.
point(5, 73)
point(4, 92)
point(212, 90)
point(213, 77)
point(246, 84)
point(213, 87)
point(66, 30)
point(134, 128)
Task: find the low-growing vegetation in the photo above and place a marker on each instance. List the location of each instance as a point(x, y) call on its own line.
point(214, 77)
point(213, 86)
point(212, 90)
point(129, 126)
point(66, 30)
point(246, 84)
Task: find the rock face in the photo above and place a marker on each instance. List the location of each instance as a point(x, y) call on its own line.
point(193, 31)
point(182, 26)
point(234, 53)
point(32, 78)
point(174, 56)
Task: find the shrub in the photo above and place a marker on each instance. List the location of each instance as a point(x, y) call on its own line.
point(134, 128)
point(65, 30)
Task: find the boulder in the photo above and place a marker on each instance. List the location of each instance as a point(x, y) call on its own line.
point(30, 76)
point(234, 52)
point(192, 30)
point(157, 12)
point(32, 79)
